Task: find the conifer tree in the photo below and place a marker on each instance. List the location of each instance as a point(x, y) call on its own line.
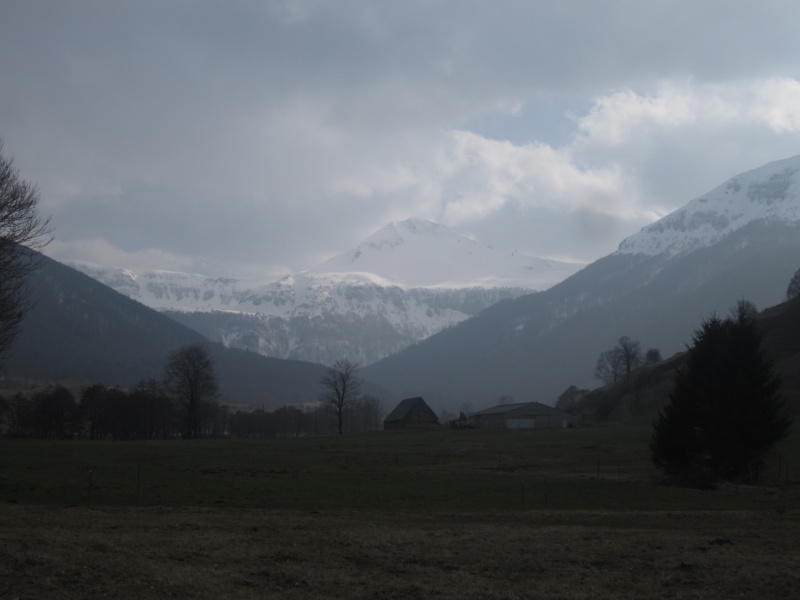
point(793, 291)
point(725, 411)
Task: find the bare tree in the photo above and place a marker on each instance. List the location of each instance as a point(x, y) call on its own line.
point(617, 364)
point(22, 231)
point(631, 353)
point(342, 386)
point(367, 415)
point(609, 367)
point(156, 408)
point(652, 356)
point(569, 398)
point(189, 376)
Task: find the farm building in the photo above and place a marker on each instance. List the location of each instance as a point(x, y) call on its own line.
point(525, 415)
point(411, 411)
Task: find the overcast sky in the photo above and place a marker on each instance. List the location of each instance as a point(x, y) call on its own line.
point(253, 138)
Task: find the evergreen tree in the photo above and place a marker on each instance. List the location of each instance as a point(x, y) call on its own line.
point(725, 411)
point(793, 291)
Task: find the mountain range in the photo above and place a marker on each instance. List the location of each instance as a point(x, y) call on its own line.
point(401, 285)
point(738, 241)
point(79, 330)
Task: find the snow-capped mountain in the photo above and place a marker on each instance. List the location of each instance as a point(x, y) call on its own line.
point(739, 241)
point(422, 253)
point(404, 283)
point(771, 193)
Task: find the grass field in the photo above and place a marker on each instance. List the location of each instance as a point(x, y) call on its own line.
point(407, 514)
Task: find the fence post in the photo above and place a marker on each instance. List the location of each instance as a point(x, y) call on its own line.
point(89, 490)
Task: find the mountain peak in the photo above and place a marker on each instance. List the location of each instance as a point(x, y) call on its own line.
point(419, 226)
point(426, 253)
point(771, 192)
point(396, 233)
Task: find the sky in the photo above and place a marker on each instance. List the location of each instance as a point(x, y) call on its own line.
point(254, 138)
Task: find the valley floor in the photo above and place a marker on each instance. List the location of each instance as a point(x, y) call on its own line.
point(49, 552)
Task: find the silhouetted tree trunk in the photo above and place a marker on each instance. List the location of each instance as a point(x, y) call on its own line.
point(55, 412)
point(189, 375)
point(631, 355)
point(342, 387)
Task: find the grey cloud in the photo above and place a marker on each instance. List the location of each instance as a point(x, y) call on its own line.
point(225, 130)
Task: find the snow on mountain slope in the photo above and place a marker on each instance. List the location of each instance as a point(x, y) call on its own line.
point(770, 192)
point(413, 254)
point(168, 290)
point(739, 241)
point(424, 253)
point(404, 283)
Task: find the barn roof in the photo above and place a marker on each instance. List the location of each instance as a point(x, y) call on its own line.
point(536, 407)
point(401, 411)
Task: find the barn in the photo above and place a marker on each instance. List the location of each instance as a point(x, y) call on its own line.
point(411, 411)
point(525, 415)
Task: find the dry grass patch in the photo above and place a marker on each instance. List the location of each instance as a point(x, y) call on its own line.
point(213, 553)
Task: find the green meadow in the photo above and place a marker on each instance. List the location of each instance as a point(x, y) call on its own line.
point(601, 468)
point(435, 513)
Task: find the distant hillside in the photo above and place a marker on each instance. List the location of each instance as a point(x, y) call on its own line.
point(650, 388)
point(739, 241)
point(534, 347)
point(81, 329)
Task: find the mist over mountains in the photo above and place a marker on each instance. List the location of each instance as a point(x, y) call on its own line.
point(80, 330)
point(401, 285)
point(741, 240)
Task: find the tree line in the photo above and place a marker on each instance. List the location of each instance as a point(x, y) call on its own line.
point(618, 364)
point(365, 414)
point(145, 412)
point(186, 405)
point(149, 412)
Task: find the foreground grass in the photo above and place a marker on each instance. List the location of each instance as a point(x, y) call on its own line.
point(415, 514)
point(214, 553)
